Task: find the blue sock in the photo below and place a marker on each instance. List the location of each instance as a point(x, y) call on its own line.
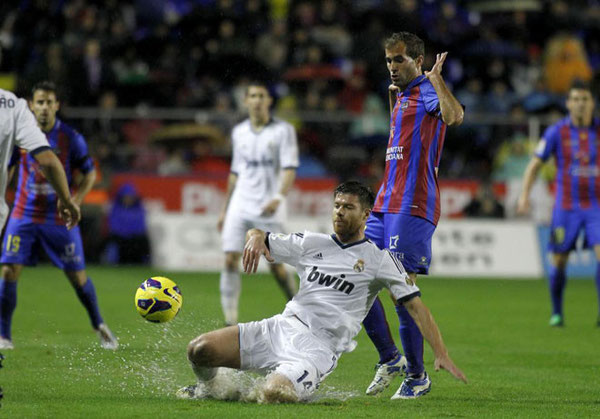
point(8, 303)
point(557, 281)
point(87, 296)
point(598, 284)
point(412, 342)
point(377, 328)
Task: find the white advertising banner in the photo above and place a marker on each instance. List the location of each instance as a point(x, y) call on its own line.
point(461, 248)
point(486, 248)
point(191, 242)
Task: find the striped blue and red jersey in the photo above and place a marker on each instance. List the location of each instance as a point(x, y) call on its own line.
point(578, 165)
point(35, 199)
point(410, 184)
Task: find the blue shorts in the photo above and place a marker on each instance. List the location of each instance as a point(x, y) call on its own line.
point(22, 240)
point(407, 236)
point(566, 226)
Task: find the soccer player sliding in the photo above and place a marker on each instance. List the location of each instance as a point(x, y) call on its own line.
point(340, 276)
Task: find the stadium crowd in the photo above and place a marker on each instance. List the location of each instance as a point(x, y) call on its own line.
point(322, 58)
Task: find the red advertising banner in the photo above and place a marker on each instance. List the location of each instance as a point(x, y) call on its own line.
point(193, 194)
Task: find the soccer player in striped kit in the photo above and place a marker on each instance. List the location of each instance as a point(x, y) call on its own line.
point(34, 221)
point(407, 207)
point(574, 142)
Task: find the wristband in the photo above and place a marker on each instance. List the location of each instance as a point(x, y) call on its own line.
point(280, 197)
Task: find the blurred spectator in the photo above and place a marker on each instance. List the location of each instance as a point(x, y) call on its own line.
point(564, 62)
point(509, 165)
point(371, 127)
point(499, 98)
point(310, 166)
point(175, 164)
point(90, 74)
point(128, 238)
point(484, 204)
point(272, 47)
point(201, 54)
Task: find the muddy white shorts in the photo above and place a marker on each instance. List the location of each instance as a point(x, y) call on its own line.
point(285, 345)
point(235, 228)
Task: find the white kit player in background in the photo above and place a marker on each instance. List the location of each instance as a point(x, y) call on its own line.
point(340, 276)
point(18, 128)
point(263, 169)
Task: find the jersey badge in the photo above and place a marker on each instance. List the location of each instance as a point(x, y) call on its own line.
point(423, 260)
point(404, 105)
point(359, 266)
point(318, 256)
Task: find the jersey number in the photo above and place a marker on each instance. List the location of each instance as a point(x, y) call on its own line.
point(13, 243)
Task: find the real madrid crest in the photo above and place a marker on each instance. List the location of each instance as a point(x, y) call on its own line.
point(359, 266)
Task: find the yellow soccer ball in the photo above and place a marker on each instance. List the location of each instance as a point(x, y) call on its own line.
point(158, 299)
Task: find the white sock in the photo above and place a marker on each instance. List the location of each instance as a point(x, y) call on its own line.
point(230, 285)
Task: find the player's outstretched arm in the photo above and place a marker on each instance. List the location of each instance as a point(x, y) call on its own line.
point(255, 247)
point(55, 173)
point(422, 316)
point(451, 109)
point(531, 172)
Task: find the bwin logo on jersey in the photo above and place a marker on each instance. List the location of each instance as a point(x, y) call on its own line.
point(334, 282)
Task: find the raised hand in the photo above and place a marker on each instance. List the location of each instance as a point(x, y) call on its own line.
point(436, 70)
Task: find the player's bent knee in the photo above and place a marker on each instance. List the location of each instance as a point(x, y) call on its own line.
point(201, 351)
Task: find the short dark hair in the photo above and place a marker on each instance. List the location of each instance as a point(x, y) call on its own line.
point(257, 83)
point(364, 193)
point(414, 45)
point(46, 86)
point(580, 85)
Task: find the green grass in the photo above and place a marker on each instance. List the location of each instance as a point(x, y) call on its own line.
point(496, 331)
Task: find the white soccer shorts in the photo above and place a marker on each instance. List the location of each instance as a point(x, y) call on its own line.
point(285, 345)
point(235, 228)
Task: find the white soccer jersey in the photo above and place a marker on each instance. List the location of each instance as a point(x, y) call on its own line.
point(258, 158)
point(338, 283)
point(17, 127)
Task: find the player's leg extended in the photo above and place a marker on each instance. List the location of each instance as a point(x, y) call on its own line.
point(412, 340)
point(285, 279)
point(8, 302)
point(18, 249)
point(564, 230)
point(375, 322)
point(230, 285)
point(597, 252)
point(409, 239)
point(207, 352)
point(592, 238)
point(557, 281)
point(391, 362)
point(86, 292)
